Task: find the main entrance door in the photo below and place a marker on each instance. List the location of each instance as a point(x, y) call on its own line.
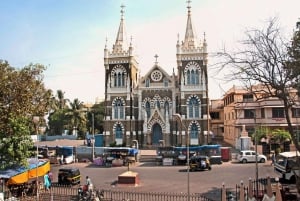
point(157, 134)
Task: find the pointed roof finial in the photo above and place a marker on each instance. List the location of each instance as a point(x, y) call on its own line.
point(190, 38)
point(106, 42)
point(156, 56)
point(121, 40)
point(189, 5)
point(122, 10)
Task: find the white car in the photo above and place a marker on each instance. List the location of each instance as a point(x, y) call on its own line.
point(246, 156)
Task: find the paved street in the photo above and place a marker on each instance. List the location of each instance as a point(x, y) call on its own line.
point(173, 178)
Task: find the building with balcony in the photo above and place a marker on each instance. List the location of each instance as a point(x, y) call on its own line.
point(216, 111)
point(245, 110)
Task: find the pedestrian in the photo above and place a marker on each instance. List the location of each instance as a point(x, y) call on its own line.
point(46, 182)
point(89, 184)
point(62, 159)
point(273, 158)
point(50, 176)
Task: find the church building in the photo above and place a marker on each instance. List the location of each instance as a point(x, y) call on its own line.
point(157, 108)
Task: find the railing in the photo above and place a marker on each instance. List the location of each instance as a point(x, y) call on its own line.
point(67, 193)
point(117, 195)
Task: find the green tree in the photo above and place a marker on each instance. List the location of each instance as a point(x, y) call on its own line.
point(22, 96)
point(77, 117)
point(293, 65)
point(97, 111)
point(57, 116)
point(266, 58)
point(17, 148)
point(280, 136)
point(261, 132)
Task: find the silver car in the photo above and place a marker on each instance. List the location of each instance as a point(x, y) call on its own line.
point(246, 156)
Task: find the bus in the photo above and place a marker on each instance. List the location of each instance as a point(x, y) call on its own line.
point(286, 165)
point(56, 153)
point(68, 153)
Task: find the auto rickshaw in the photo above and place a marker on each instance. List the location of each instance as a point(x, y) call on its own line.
point(69, 176)
point(199, 163)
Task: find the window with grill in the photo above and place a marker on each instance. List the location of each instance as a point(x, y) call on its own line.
point(277, 112)
point(248, 97)
point(296, 112)
point(249, 114)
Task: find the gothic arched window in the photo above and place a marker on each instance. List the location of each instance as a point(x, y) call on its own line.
point(119, 76)
point(192, 74)
point(158, 104)
point(148, 83)
point(118, 109)
point(192, 77)
point(194, 131)
point(193, 107)
point(188, 74)
point(147, 105)
point(197, 77)
point(115, 79)
point(118, 131)
point(166, 107)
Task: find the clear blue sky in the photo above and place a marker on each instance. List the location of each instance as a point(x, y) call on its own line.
point(68, 36)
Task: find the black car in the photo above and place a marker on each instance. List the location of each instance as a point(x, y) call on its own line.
point(69, 176)
point(199, 163)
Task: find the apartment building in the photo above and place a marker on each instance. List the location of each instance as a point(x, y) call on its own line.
point(245, 111)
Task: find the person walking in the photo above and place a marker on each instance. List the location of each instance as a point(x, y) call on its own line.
point(47, 182)
point(273, 158)
point(89, 184)
point(50, 176)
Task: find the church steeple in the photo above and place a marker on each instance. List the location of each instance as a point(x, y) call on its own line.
point(121, 42)
point(190, 38)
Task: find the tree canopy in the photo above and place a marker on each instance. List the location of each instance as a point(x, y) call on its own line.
point(22, 96)
point(268, 60)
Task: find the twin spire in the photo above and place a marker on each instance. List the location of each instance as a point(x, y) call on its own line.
point(190, 40)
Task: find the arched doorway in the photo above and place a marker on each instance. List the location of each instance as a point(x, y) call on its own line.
point(157, 134)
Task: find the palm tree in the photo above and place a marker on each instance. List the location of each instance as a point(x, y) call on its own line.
point(61, 102)
point(76, 116)
point(57, 121)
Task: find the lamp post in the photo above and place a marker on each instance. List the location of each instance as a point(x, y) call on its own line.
point(93, 139)
point(256, 163)
point(36, 120)
point(178, 117)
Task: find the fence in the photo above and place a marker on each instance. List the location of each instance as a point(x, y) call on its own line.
point(67, 193)
point(258, 190)
point(117, 195)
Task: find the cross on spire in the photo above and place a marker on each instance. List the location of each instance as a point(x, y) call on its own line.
point(188, 6)
point(122, 10)
point(156, 56)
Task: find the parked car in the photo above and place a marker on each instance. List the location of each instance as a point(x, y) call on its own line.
point(246, 156)
point(69, 176)
point(199, 163)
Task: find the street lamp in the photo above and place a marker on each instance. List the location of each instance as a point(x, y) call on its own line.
point(256, 163)
point(93, 139)
point(178, 117)
point(36, 121)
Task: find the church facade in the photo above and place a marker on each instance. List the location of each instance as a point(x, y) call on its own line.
point(157, 108)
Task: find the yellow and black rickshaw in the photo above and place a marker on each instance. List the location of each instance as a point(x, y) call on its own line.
point(199, 163)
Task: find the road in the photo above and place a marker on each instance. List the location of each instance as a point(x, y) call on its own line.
point(172, 178)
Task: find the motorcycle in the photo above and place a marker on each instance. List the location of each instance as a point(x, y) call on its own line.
point(84, 194)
